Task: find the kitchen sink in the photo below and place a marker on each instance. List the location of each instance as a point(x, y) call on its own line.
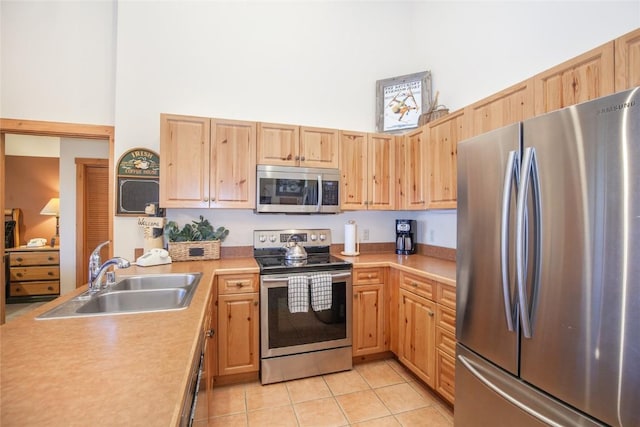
point(132, 294)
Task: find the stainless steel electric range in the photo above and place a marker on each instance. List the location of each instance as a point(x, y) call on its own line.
point(305, 305)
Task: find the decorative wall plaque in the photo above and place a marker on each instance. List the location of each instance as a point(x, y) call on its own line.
point(138, 173)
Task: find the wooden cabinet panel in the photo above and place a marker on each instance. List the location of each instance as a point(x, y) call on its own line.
point(238, 333)
point(368, 276)
point(446, 377)
point(417, 284)
point(442, 158)
point(586, 77)
point(33, 272)
point(381, 171)
point(184, 161)
point(508, 106)
point(412, 170)
point(627, 61)
point(446, 319)
point(354, 170)
point(368, 319)
point(319, 147)
point(233, 175)
point(25, 289)
point(446, 296)
point(17, 259)
point(278, 144)
point(237, 283)
point(416, 342)
point(446, 341)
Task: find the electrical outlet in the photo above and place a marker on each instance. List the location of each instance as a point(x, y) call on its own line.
point(365, 234)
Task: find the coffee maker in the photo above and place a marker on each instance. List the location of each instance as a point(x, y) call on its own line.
point(405, 236)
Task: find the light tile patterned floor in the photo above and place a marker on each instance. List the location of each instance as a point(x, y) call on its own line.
point(381, 393)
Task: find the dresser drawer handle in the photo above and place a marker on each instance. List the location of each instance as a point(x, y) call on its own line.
point(19, 274)
point(239, 284)
point(19, 259)
point(49, 288)
point(50, 273)
point(50, 258)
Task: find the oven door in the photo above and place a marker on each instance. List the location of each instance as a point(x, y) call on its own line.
point(283, 333)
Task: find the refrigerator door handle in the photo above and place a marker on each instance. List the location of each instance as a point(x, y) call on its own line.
point(510, 174)
point(529, 173)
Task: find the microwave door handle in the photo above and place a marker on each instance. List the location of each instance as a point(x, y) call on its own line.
point(319, 206)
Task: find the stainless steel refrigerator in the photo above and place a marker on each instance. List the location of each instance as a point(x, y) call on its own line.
point(548, 270)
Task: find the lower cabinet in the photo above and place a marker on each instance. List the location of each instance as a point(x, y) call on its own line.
point(369, 331)
point(238, 324)
point(206, 382)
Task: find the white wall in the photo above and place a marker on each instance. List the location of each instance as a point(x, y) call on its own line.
point(70, 149)
point(34, 146)
point(311, 63)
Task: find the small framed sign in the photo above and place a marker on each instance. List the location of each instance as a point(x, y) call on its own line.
point(401, 100)
point(138, 181)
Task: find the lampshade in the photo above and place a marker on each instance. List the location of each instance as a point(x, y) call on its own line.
point(52, 207)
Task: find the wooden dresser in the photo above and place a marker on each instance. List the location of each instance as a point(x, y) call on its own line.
point(33, 274)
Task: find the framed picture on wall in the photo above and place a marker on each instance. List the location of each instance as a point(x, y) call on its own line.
point(401, 100)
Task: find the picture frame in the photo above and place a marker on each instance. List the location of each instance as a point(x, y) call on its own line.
point(401, 100)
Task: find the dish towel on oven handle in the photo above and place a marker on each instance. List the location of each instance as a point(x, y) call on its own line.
point(298, 294)
point(321, 288)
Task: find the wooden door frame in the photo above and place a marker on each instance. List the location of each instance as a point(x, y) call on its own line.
point(55, 129)
point(81, 168)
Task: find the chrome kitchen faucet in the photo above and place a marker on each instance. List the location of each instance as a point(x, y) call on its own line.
point(97, 269)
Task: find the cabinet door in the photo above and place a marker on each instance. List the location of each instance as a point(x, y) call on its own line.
point(416, 342)
point(412, 171)
point(233, 154)
point(381, 172)
point(238, 339)
point(368, 319)
point(446, 376)
point(627, 59)
point(442, 155)
point(353, 161)
point(184, 161)
point(319, 147)
point(508, 106)
point(278, 144)
point(586, 77)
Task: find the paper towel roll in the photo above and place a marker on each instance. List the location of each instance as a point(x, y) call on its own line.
point(350, 233)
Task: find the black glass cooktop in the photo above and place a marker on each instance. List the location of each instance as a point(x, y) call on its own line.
point(274, 264)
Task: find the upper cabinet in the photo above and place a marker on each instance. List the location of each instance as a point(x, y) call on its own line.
point(442, 155)
point(206, 163)
point(585, 77)
point(627, 57)
point(411, 170)
point(504, 108)
point(289, 145)
point(368, 171)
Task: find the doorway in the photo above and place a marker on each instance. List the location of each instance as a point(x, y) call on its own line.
point(64, 130)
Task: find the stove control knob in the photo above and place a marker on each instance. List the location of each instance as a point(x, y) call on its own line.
point(272, 238)
point(313, 237)
point(323, 237)
point(262, 238)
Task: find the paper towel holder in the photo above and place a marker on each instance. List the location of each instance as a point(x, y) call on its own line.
point(357, 252)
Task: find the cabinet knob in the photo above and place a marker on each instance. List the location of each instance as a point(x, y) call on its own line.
point(213, 199)
point(206, 199)
point(255, 303)
point(297, 158)
point(50, 273)
point(210, 333)
point(19, 259)
point(50, 288)
point(19, 274)
point(302, 158)
point(239, 284)
point(430, 313)
point(369, 275)
point(50, 258)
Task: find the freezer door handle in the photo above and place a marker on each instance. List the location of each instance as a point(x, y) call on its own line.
point(529, 174)
point(510, 175)
point(483, 376)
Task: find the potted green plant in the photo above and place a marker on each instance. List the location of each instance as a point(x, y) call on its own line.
point(198, 240)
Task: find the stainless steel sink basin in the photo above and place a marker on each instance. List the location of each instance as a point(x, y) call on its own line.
point(132, 294)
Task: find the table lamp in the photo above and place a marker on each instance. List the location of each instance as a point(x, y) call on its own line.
point(53, 208)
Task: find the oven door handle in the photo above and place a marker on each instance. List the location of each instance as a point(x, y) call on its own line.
point(282, 279)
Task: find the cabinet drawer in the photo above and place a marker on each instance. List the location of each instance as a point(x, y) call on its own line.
point(368, 276)
point(237, 283)
point(446, 319)
point(18, 274)
point(34, 258)
point(34, 288)
point(447, 296)
point(446, 376)
point(446, 341)
point(418, 285)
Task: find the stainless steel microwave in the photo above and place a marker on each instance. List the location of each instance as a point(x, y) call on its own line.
point(286, 189)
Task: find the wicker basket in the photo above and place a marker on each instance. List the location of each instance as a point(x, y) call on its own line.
point(194, 251)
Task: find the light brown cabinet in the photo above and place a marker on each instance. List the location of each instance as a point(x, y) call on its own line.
point(627, 61)
point(207, 163)
point(206, 384)
point(508, 106)
point(411, 171)
point(34, 273)
point(368, 171)
point(585, 77)
point(445, 341)
point(238, 324)
point(291, 145)
point(370, 332)
point(442, 157)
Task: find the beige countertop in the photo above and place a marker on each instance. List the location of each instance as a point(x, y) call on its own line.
point(126, 369)
point(433, 268)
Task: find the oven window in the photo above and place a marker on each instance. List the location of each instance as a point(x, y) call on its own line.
point(290, 329)
point(279, 191)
